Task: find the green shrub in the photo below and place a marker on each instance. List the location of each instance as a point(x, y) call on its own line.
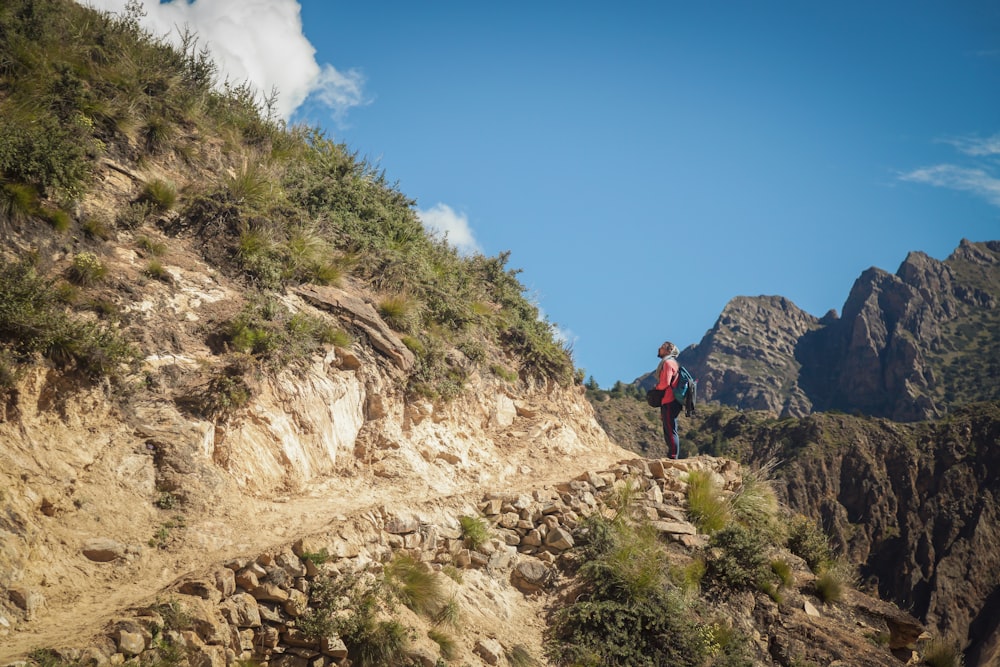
point(46, 657)
point(260, 256)
point(86, 270)
point(738, 559)
point(504, 373)
point(474, 531)
point(317, 558)
point(706, 506)
point(174, 616)
point(351, 606)
point(225, 391)
point(32, 320)
point(626, 612)
point(659, 629)
point(808, 542)
point(940, 652)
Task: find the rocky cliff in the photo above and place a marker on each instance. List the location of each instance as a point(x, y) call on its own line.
point(908, 346)
point(914, 505)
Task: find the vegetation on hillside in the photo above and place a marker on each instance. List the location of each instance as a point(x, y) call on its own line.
point(271, 205)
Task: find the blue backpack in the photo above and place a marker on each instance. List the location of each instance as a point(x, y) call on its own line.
point(686, 390)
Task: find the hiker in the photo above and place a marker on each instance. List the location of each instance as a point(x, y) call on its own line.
point(666, 378)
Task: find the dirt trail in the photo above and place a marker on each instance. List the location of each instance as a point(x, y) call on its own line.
point(250, 526)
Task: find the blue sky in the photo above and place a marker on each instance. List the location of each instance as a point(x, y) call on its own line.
point(645, 162)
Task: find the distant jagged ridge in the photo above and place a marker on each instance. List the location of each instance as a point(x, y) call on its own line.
point(908, 347)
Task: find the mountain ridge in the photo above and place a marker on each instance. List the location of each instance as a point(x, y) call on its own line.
point(896, 351)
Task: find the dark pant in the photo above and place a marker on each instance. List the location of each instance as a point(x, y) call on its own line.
point(668, 415)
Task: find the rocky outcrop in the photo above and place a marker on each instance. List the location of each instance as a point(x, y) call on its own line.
point(748, 358)
point(915, 506)
point(260, 607)
point(908, 346)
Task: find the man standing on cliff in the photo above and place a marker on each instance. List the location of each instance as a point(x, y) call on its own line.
point(666, 377)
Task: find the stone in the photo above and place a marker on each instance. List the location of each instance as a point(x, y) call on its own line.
point(675, 527)
point(225, 581)
point(402, 525)
point(489, 650)
point(130, 644)
point(296, 603)
point(241, 610)
point(530, 576)
point(202, 588)
point(103, 549)
point(333, 646)
point(27, 599)
point(269, 593)
point(559, 538)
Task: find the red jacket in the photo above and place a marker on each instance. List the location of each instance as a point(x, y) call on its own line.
point(668, 370)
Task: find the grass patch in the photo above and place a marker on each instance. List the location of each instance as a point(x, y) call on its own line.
point(155, 270)
point(519, 656)
point(446, 643)
point(97, 227)
point(415, 584)
point(940, 652)
point(708, 510)
point(475, 531)
point(151, 247)
point(755, 503)
point(86, 270)
point(399, 312)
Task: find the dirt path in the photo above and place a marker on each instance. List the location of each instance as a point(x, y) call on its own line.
point(71, 617)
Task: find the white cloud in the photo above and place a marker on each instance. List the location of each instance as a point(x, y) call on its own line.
point(951, 176)
point(978, 177)
point(977, 146)
point(441, 219)
point(255, 41)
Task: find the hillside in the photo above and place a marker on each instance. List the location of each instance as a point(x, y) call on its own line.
point(252, 413)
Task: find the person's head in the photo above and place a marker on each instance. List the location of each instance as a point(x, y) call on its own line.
point(668, 349)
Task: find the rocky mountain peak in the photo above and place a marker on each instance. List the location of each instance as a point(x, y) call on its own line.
point(888, 354)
